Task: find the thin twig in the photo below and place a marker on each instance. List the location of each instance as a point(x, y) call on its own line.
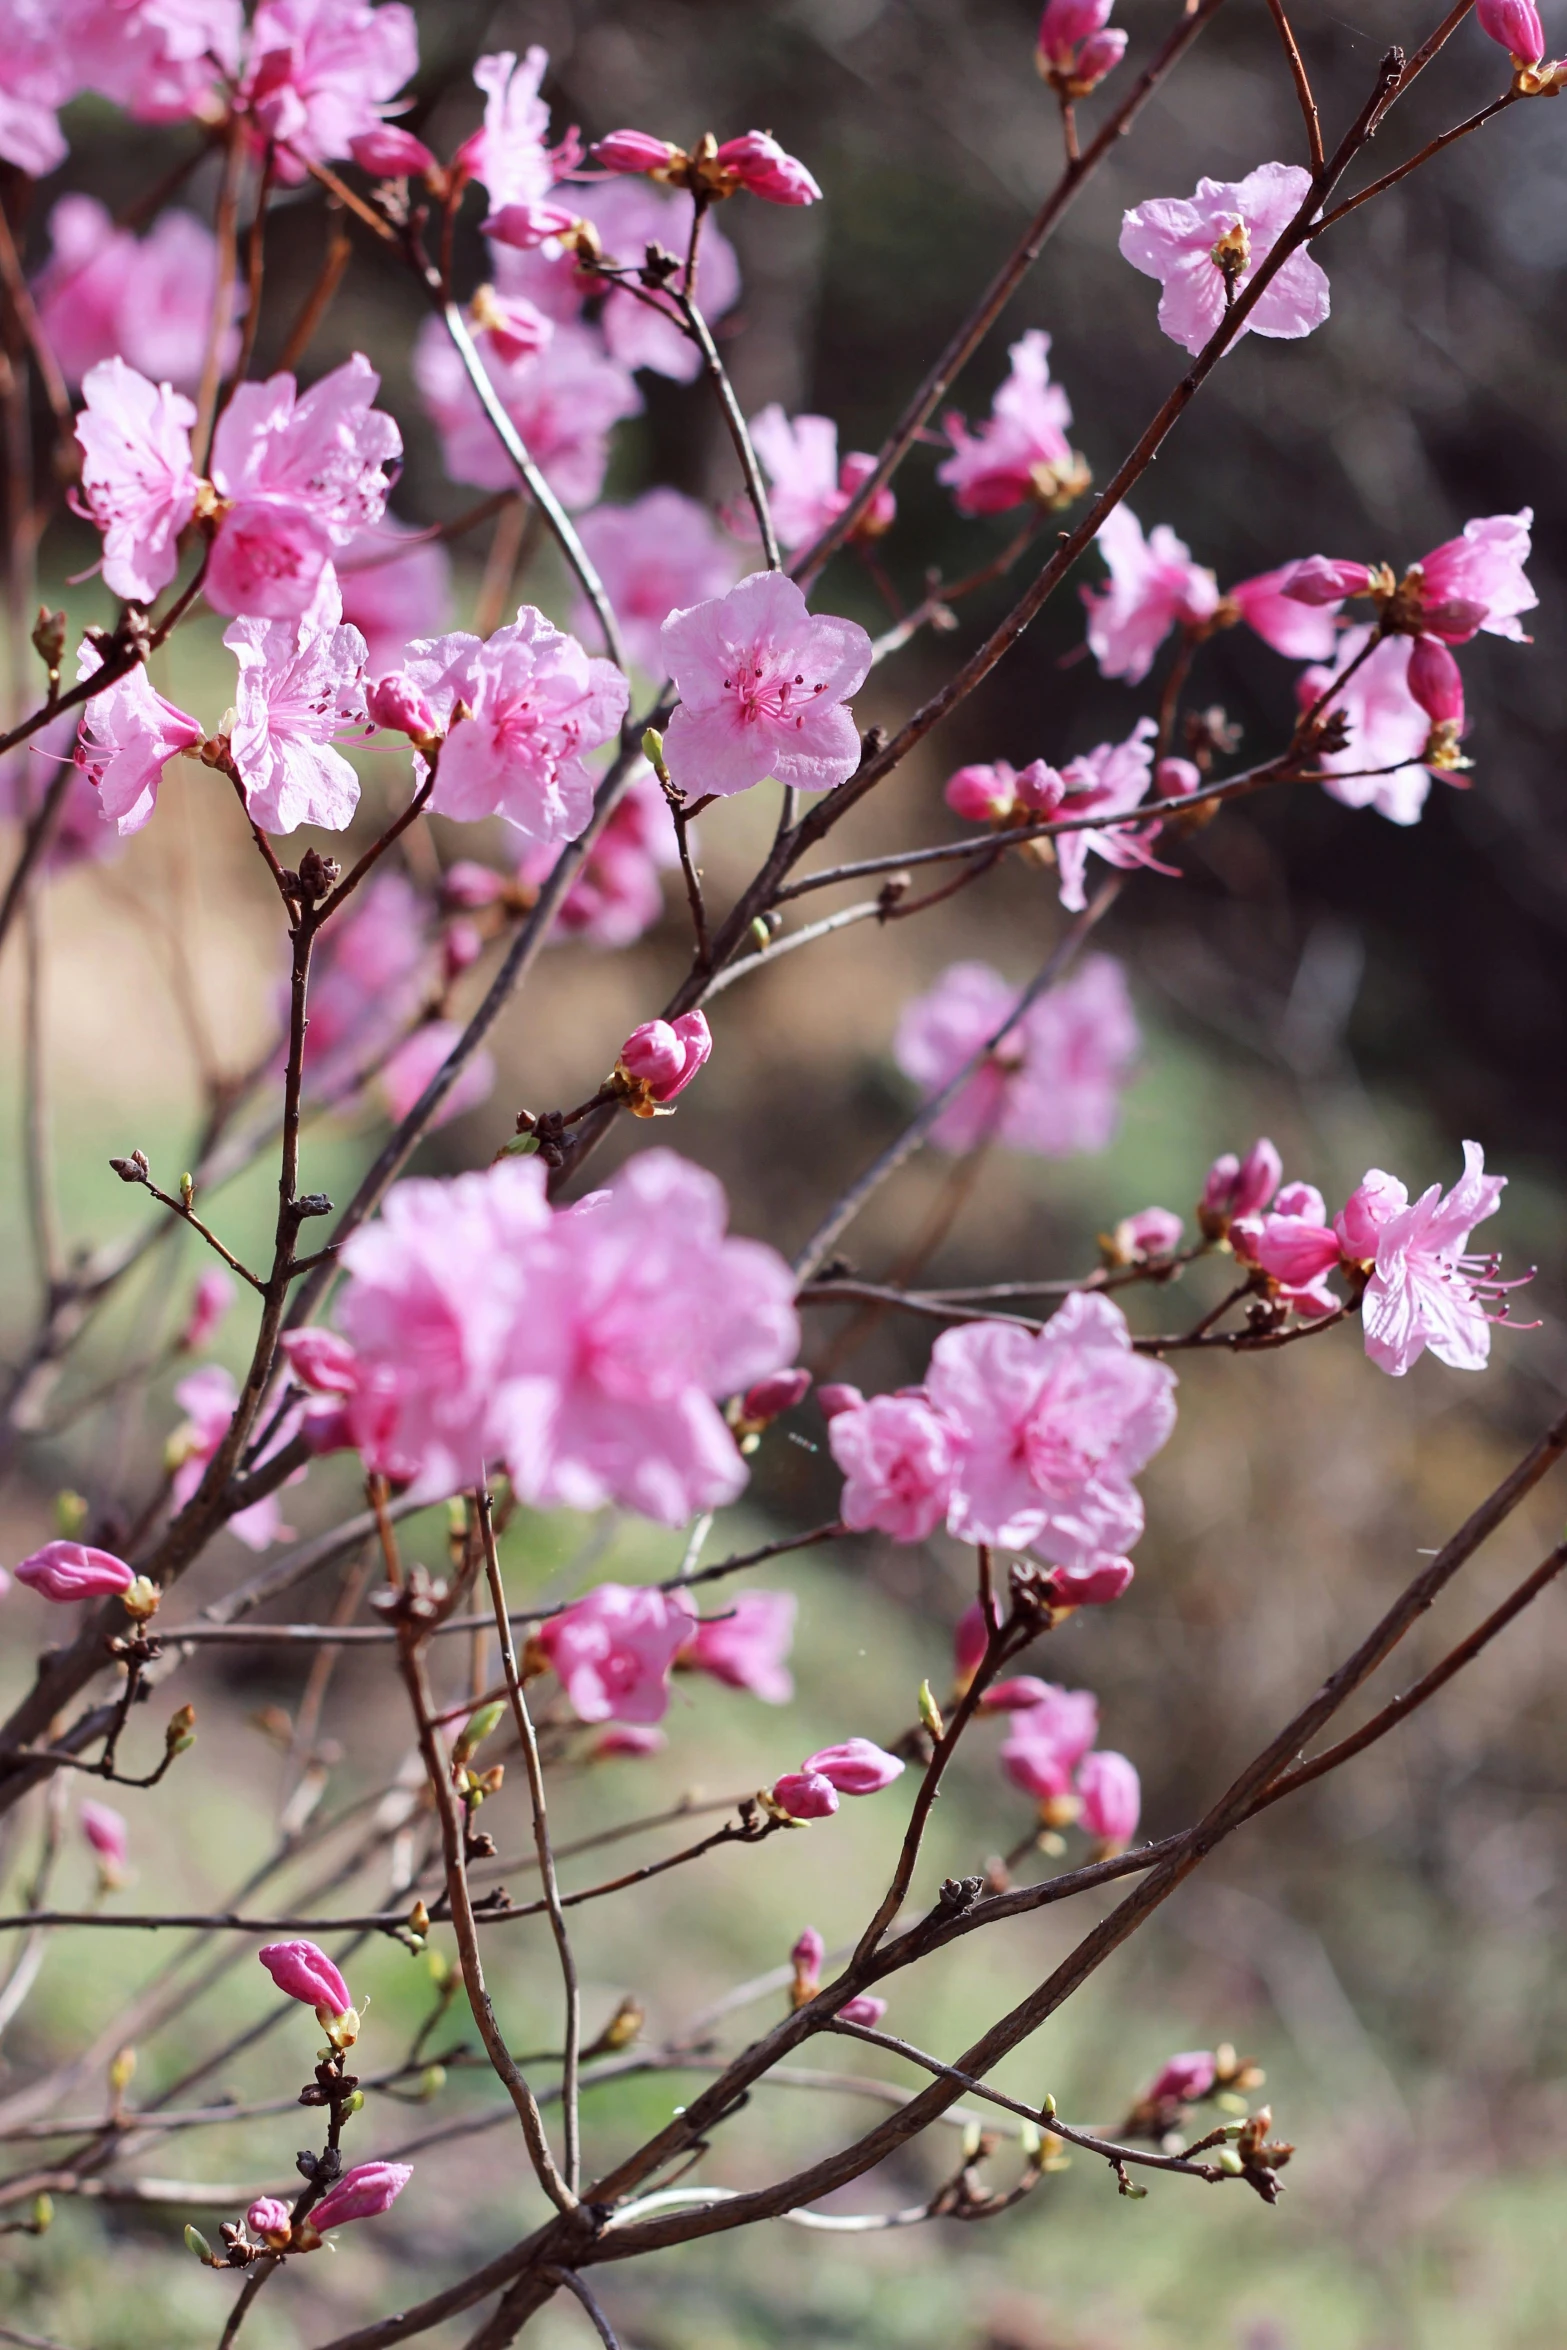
point(1308, 104)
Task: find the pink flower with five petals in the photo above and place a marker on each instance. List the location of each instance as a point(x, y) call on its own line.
point(1173, 238)
point(1426, 1290)
point(138, 480)
point(1154, 587)
point(129, 733)
point(1021, 450)
point(1054, 1082)
point(613, 1650)
point(301, 682)
point(763, 685)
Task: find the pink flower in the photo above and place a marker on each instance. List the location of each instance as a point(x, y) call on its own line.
point(778, 1393)
point(159, 58)
point(104, 294)
point(1174, 238)
point(1436, 682)
point(1108, 780)
point(81, 831)
point(389, 596)
point(537, 705)
point(655, 556)
point(746, 1648)
point(663, 1056)
point(324, 71)
point(639, 1312)
point(1152, 1232)
point(1426, 1290)
point(865, 2009)
point(856, 1767)
point(612, 1651)
point(1054, 1082)
point(300, 683)
point(1021, 451)
point(805, 1795)
point(1045, 1742)
point(268, 2216)
point(401, 1080)
point(1380, 766)
point(215, 1293)
point(757, 162)
point(1054, 1427)
point(362, 2193)
point(321, 1361)
point(1074, 50)
point(1183, 2079)
point(510, 151)
point(1284, 621)
point(1015, 1696)
point(1112, 1799)
point(38, 72)
point(1239, 1187)
point(138, 481)
point(1154, 587)
point(64, 1571)
point(388, 153)
point(899, 1459)
point(616, 894)
point(398, 706)
point(644, 332)
point(302, 1971)
point(1375, 1200)
point(106, 1832)
point(763, 685)
point(304, 476)
point(208, 1398)
point(809, 489)
point(1098, 1583)
point(564, 404)
point(634, 151)
point(1296, 1244)
point(1478, 581)
point(837, 1395)
point(1515, 26)
point(128, 735)
point(1323, 579)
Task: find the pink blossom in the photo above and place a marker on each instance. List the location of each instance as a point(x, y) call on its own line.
point(1515, 26)
point(1047, 1740)
point(81, 832)
point(763, 685)
point(1173, 238)
point(1380, 766)
point(208, 1398)
point(746, 1648)
point(837, 1395)
point(1066, 29)
point(402, 1079)
point(38, 72)
point(643, 332)
point(301, 682)
point(538, 704)
point(899, 1459)
point(1478, 581)
point(970, 1640)
point(321, 1361)
point(865, 2009)
point(613, 1649)
point(388, 153)
point(639, 1312)
point(268, 2216)
point(510, 151)
point(1301, 631)
point(390, 596)
point(634, 151)
point(160, 59)
point(104, 294)
point(324, 71)
point(1108, 780)
point(1183, 2079)
point(1053, 1084)
point(1236, 1187)
point(655, 556)
point(805, 1795)
point(1436, 682)
point(1323, 579)
point(1375, 1200)
point(616, 894)
point(664, 1055)
point(1000, 794)
point(516, 328)
point(757, 162)
point(1154, 587)
point(808, 488)
point(1100, 1582)
point(138, 481)
point(215, 1293)
point(367, 983)
point(106, 1832)
point(856, 1767)
point(1054, 1427)
point(1296, 1244)
point(1112, 1798)
point(128, 735)
point(364, 2192)
point(564, 404)
point(1021, 450)
point(806, 1958)
point(1152, 1232)
point(1015, 1696)
point(65, 1571)
point(302, 1971)
point(1427, 1290)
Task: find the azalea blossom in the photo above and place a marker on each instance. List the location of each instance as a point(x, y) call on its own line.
point(1478, 581)
point(509, 153)
point(208, 1399)
point(364, 2192)
point(301, 682)
point(537, 705)
point(660, 1057)
point(138, 481)
point(1515, 26)
point(391, 594)
point(899, 1458)
point(38, 73)
point(754, 161)
point(763, 684)
point(1112, 1799)
point(1053, 1083)
point(67, 1571)
point(747, 1647)
point(616, 893)
point(1078, 45)
point(808, 487)
point(302, 1971)
point(1021, 451)
point(1426, 1289)
point(1175, 239)
point(160, 59)
point(1239, 1187)
point(129, 733)
point(564, 403)
point(323, 71)
point(402, 1078)
point(1154, 587)
point(1381, 764)
point(655, 556)
point(1300, 631)
point(1108, 780)
point(612, 1651)
point(215, 1292)
point(105, 293)
point(1046, 1740)
point(643, 329)
point(1296, 1246)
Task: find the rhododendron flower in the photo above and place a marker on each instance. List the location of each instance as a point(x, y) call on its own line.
point(105, 294)
point(215, 1293)
point(1054, 1427)
point(1478, 581)
point(662, 1056)
point(129, 733)
point(300, 683)
point(612, 1651)
point(1296, 1245)
point(1301, 631)
point(805, 1795)
point(856, 1767)
point(1152, 1232)
point(323, 71)
point(564, 404)
point(779, 1392)
point(899, 1459)
point(1515, 25)
point(1108, 780)
point(320, 1360)
point(538, 704)
point(390, 153)
point(1046, 1740)
point(999, 794)
point(1021, 450)
point(1054, 1082)
point(138, 481)
point(302, 1971)
point(269, 2216)
point(1183, 2079)
point(1174, 238)
point(763, 684)
point(746, 1648)
point(362, 2193)
point(160, 59)
point(1323, 579)
point(1239, 1187)
point(38, 72)
point(655, 556)
point(615, 894)
point(1426, 1289)
point(402, 1079)
point(1112, 1799)
point(65, 1571)
point(391, 596)
point(1015, 1696)
point(644, 329)
point(757, 162)
point(208, 1398)
point(1381, 764)
point(510, 153)
point(808, 488)
point(1154, 587)
point(107, 1834)
point(1100, 1582)
point(865, 2009)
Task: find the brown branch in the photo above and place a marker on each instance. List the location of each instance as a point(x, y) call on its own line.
point(1308, 104)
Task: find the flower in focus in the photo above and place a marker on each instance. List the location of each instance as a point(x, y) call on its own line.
point(996, 793)
point(746, 1648)
point(215, 1293)
point(655, 556)
point(1107, 781)
point(1425, 1289)
point(138, 481)
point(615, 894)
point(1078, 45)
point(1515, 26)
point(1381, 764)
point(754, 161)
point(1477, 581)
point(300, 683)
point(391, 596)
point(269, 2217)
point(362, 2193)
point(106, 1833)
point(302, 1971)
point(808, 487)
point(856, 1767)
point(401, 1080)
point(805, 1795)
point(104, 294)
point(208, 1398)
point(129, 733)
point(1021, 451)
point(763, 685)
point(1154, 587)
point(899, 1458)
point(324, 71)
point(1112, 1797)
point(564, 402)
point(66, 1571)
point(1206, 249)
point(659, 1060)
point(1053, 1084)
point(159, 59)
point(612, 1651)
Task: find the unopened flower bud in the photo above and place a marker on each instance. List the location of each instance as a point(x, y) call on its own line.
point(985, 795)
point(461, 947)
point(196, 2242)
point(49, 638)
point(660, 1058)
point(806, 1958)
point(1436, 682)
point(634, 151)
point(865, 2009)
point(836, 1395)
point(1515, 26)
point(930, 1711)
point(180, 1735)
point(1174, 778)
point(474, 1732)
point(1324, 579)
point(400, 706)
point(805, 1795)
point(388, 153)
point(777, 1393)
point(268, 2218)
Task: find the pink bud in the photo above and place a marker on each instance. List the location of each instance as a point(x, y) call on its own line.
point(1515, 26)
point(1174, 778)
point(664, 1055)
point(1373, 1202)
point(865, 2009)
point(461, 947)
point(1218, 1191)
point(856, 1767)
point(1258, 1179)
point(838, 1396)
point(390, 154)
point(268, 2216)
point(969, 1643)
point(1295, 1250)
point(779, 1392)
point(398, 705)
point(1435, 679)
point(106, 1832)
point(1038, 1768)
point(1301, 1199)
point(807, 1955)
point(517, 328)
point(629, 1739)
point(1017, 1695)
point(467, 887)
point(321, 1361)
point(304, 1972)
point(1065, 24)
point(1112, 1797)
point(1183, 2079)
point(760, 164)
point(633, 151)
point(1098, 56)
point(1097, 1583)
point(362, 2193)
point(1323, 579)
point(984, 795)
point(63, 1571)
point(1040, 789)
point(327, 1428)
point(882, 512)
point(215, 1293)
point(524, 227)
point(1152, 1232)
point(805, 1795)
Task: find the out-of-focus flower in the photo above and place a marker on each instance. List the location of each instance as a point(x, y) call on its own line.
point(1021, 452)
point(1054, 1082)
point(643, 329)
point(362, 2193)
point(808, 487)
point(746, 1648)
point(159, 59)
point(104, 293)
point(631, 1740)
point(301, 682)
point(764, 685)
point(138, 481)
point(509, 153)
point(208, 1398)
point(615, 894)
point(66, 1571)
point(1112, 1798)
point(389, 153)
point(899, 1459)
point(81, 832)
point(655, 556)
point(1154, 587)
point(1381, 764)
point(392, 597)
point(806, 1958)
point(1078, 45)
point(838, 1395)
point(1206, 249)
point(1047, 1740)
point(302, 1971)
point(402, 1079)
point(1152, 1232)
point(367, 983)
point(864, 2009)
point(215, 1293)
point(612, 1651)
point(37, 74)
point(268, 2216)
point(660, 1058)
point(778, 1393)
point(129, 733)
point(323, 72)
point(564, 403)
point(108, 1836)
point(1239, 1187)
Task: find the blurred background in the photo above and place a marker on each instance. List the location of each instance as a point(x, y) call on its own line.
point(1387, 1946)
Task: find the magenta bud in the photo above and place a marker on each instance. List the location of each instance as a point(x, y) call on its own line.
point(326, 1428)
point(1375, 1200)
point(808, 1953)
point(1099, 55)
point(461, 947)
point(664, 1055)
point(1436, 681)
point(524, 227)
point(1218, 1191)
point(268, 2216)
point(856, 1767)
point(1066, 24)
point(633, 151)
point(1515, 26)
point(1095, 1583)
point(805, 1795)
point(362, 2193)
point(1258, 1178)
point(1040, 789)
point(1152, 1232)
point(865, 2009)
point(758, 163)
point(467, 887)
point(1111, 1795)
point(321, 1361)
point(779, 1392)
point(1323, 579)
point(1183, 2079)
point(838, 1396)
point(215, 1293)
point(106, 1832)
point(398, 705)
point(63, 1571)
point(305, 1973)
point(388, 153)
point(1174, 778)
point(982, 794)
